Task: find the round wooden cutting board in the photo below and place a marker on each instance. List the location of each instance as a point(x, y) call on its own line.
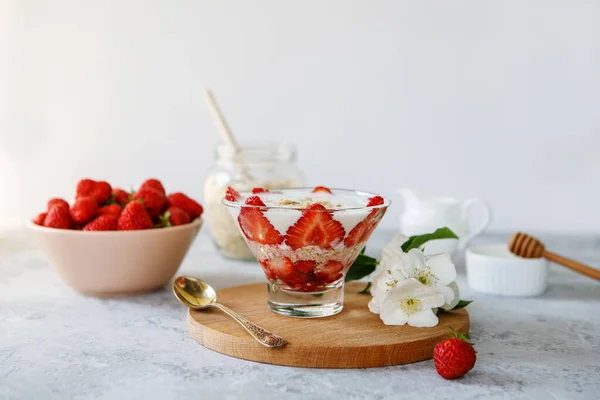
point(354, 338)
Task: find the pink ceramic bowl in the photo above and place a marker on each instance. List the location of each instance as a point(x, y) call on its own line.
point(117, 263)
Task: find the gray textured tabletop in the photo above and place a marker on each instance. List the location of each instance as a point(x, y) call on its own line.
point(56, 344)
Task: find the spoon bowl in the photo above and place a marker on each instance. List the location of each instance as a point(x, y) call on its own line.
point(194, 292)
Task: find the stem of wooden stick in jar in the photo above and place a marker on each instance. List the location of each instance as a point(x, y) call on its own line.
point(226, 134)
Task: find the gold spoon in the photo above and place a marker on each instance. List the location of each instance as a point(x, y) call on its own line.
point(198, 295)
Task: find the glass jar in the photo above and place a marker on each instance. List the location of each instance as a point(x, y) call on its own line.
point(265, 166)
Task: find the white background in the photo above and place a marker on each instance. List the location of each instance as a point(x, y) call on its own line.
point(496, 99)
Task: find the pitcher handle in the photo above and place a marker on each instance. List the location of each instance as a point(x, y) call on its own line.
point(468, 205)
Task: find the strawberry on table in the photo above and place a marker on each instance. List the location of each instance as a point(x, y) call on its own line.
point(111, 209)
point(231, 194)
point(154, 184)
point(39, 219)
point(315, 227)
point(321, 189)
point(56, 202)
point(330, 272)
point(134, 217)
point(174, 216)
point(107, 222)
point(259, 190)
point(120, 197)
point(256, 226)
point(190, 206)
point(455, 356)
point(154, 200)
point(58, 217)
point(84, 209)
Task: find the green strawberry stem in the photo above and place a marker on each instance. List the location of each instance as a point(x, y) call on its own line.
point(164, 220)
point(458, 335)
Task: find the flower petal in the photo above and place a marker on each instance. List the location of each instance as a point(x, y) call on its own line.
point(429, 297)
point(447, 292)
point(392, 314)
point(442, 266)
point(450, 305)
point(423, 319)
point(374, 305)
point(412, 261)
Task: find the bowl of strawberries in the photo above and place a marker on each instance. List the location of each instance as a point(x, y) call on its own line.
point(110, 243)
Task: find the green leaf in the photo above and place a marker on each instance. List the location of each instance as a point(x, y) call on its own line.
point(362, 266)
point(414, 242)
point(462, 304)
point(366, 289)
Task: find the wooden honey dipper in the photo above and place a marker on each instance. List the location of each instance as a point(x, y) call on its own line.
point(523, 245)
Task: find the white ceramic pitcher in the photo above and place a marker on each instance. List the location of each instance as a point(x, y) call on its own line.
point(424, 213)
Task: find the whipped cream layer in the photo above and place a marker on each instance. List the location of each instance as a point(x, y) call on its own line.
point(349, 207)
point(302, 198)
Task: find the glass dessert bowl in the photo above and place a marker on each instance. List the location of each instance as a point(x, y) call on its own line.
point(305, 239)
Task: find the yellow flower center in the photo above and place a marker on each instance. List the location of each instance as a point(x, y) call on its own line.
point(411, 305)
point(425, 276)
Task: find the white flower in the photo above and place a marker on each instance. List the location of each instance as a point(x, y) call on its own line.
point(411, 302)
point(437, 271)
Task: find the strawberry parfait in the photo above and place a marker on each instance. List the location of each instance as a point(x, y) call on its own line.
point(305, 239)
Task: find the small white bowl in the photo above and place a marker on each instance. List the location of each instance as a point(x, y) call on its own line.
point(116, 263)
point(493, 269)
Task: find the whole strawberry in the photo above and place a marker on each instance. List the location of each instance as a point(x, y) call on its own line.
point(84, 209)
point(39, 220)
point(153, 200)
point(133, 217)
point(57, 202)
point(154, 184)
point(180, 200)
point(106, 222)
point(120, 197)
point(111, 209)
point(101, 191)
point(58, 217)
point(174, 216)
point(455, 356)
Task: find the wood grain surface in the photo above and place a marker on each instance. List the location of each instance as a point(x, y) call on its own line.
point(354, 338)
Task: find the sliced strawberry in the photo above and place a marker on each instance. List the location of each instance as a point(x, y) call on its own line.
point(315, 227)
point(254, 201)
point(303, 277)
point(256, 226)
point(232, 194)
point(298, 274)
point(321, 189)
point(330, 272)
point(375, 201)
point(267, 269)
point(280, 267)
point(362, 231)
point(259, 190)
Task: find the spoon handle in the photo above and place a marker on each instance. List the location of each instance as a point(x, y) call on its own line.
point(265, 337)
